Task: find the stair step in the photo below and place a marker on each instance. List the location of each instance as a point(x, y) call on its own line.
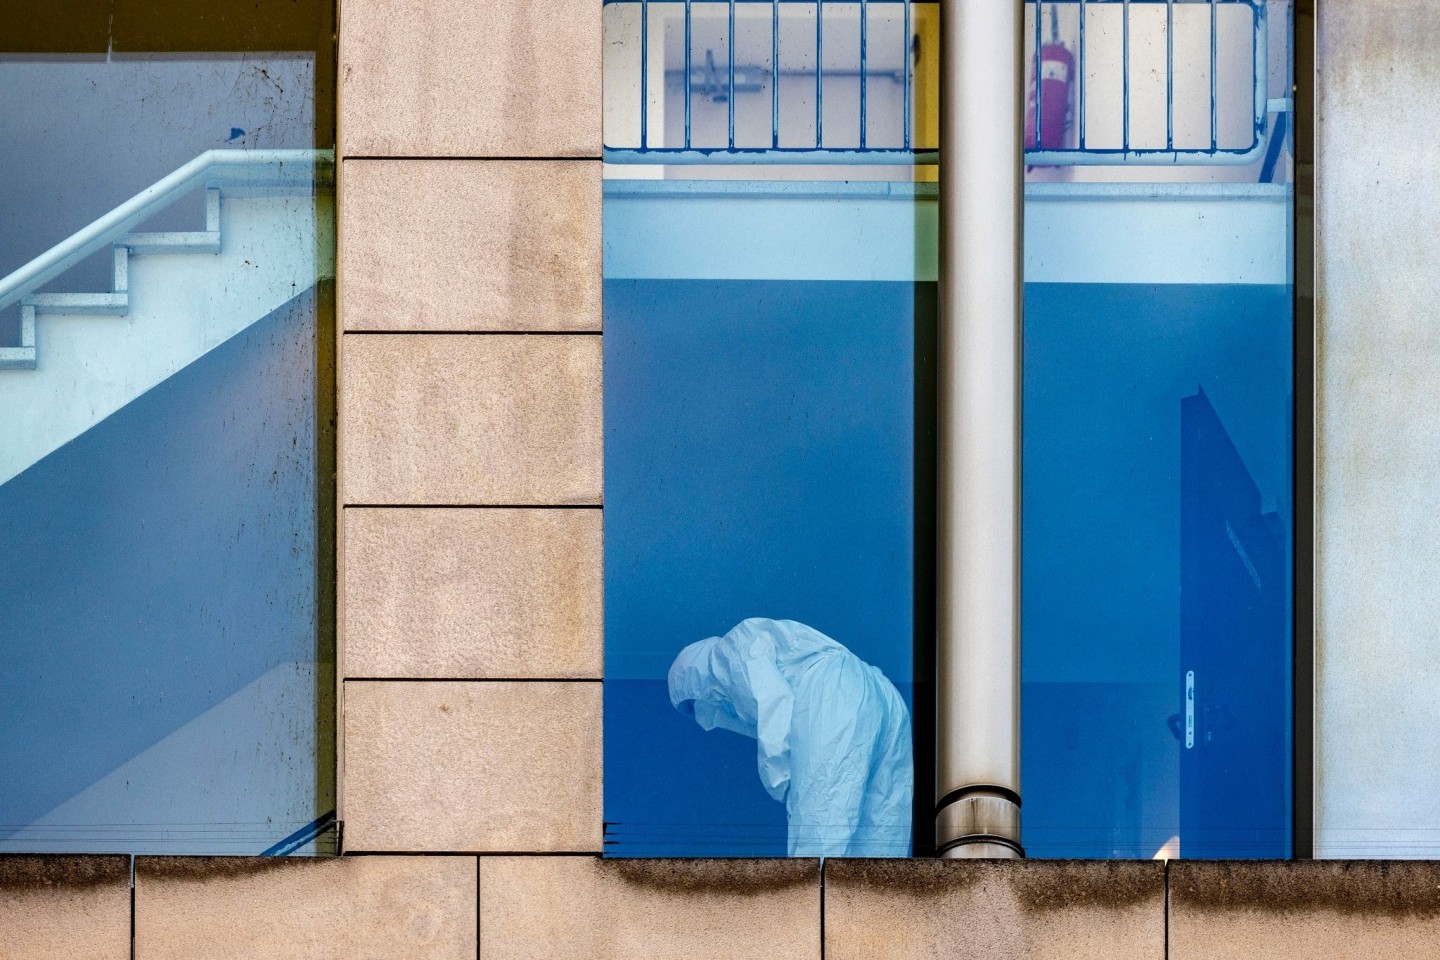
point(116, 304)
point(192, 241)
point(207, 241)
point(17, 358)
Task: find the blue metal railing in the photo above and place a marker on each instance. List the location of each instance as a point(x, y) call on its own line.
point(732, 151)
point(653, 150)
point(1085, 153)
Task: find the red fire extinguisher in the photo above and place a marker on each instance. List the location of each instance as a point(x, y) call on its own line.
point(1046, 124)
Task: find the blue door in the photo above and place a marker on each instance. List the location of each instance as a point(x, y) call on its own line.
point(1235, 762)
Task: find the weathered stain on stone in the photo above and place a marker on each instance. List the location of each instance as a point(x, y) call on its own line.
point(1036, 884)
point(26, 872)
point(214, 868)
point(1095, 884)
point(1359, 39)
point(731, 877)
point(917, 878)
point(1378, 888)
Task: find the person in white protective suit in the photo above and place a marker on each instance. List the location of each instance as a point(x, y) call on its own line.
point(832, 734)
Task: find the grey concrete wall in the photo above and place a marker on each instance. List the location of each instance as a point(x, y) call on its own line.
point(1378, 435)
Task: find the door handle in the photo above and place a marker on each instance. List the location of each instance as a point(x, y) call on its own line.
point(1189, 709)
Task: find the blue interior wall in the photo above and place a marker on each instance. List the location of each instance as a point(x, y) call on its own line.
point(759, 450)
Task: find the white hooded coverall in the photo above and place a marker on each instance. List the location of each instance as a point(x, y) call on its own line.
point(832, 733)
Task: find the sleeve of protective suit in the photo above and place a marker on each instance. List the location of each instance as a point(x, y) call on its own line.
point(774, 705)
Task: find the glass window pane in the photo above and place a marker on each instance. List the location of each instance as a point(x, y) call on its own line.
point(1157, 531)
point(1158, 387)
point(166, 449)
point(760, 451)
point(768, 326)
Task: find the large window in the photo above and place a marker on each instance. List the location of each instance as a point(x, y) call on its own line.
point(769, 325)
point(1158, 390)
point(166, 448)
point(770, 320)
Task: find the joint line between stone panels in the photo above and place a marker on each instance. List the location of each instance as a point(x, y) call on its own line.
point(505, 159)
point(477, 907)
point(475, 333)
point(473, 506)
point(474, 679)
point(822, 908)
point(473, 853)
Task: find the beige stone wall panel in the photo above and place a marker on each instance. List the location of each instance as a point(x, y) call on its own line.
point(485, 419)
point(1025, 910)
point(360, 908)
point(507, 78)
point(483, 766)
point(1356, 910)
point(462, 593)
point(471, 245)
point(64, 908)
point(584, 908)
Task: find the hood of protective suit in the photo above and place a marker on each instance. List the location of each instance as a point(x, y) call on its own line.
point(733, 683)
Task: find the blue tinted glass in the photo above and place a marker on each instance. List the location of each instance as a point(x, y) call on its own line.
point(1158, 391)
point(760, 450)
point(164, 372)
point(1156, 538)
point(768, 432)
point(762, 324)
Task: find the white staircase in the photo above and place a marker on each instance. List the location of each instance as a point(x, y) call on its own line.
point(268, 237)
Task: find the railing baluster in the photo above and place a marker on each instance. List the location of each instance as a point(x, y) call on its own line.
point(1080, 68)
point(905, 58)
point(1214, 140)
point(1169, 74)
point(1125, 79)
point(774, 73)
point(864, 21)
point(687, 74)
point(819, 73)
point(730, 61)
point(644, 74)
point(1035, 77)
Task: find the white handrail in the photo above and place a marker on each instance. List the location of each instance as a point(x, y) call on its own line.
point(216, 167)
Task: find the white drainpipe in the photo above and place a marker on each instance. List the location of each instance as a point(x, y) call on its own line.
point(978, 615)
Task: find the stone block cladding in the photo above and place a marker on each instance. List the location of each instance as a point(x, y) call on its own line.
point(471, 608)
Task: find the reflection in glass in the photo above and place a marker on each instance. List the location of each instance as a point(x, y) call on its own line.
point(1157, 493)
point(1155, 545)
point(167, 235)
point(1157, 508)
